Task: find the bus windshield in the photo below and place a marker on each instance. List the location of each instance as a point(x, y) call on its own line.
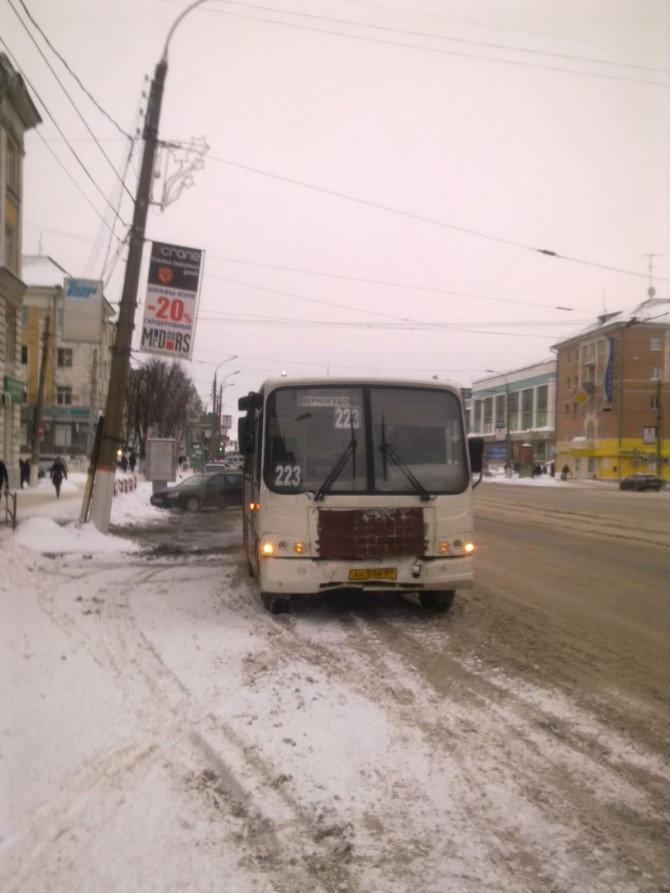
point(365, 439)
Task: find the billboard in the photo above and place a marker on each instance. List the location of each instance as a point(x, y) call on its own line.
point(82, 310)
point(171, 304)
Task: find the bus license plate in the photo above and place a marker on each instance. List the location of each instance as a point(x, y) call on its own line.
point(374, 573)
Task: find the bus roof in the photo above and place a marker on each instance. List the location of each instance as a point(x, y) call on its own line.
point(352, 381)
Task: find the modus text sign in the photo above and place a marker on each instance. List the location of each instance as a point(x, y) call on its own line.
point(171, 305)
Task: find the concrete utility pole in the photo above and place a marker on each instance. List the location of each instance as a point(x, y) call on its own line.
point(37, 414)
point(103, 491)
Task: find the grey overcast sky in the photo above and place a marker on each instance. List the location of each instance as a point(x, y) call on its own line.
point(380, 175)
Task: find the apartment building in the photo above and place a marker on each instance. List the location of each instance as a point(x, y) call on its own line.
point(17, 115)
point(76, 373)
point(613, 394)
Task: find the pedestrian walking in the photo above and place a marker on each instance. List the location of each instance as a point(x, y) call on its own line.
point(132, 461)
point(57, 472)
point(24, 468)
point(4, 477)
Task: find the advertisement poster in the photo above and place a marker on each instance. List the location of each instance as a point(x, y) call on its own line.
point(82, 310)
point(171, 304)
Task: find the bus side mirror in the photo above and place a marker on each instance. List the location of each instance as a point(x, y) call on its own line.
point(245, 435)
point(253, 400)
point(476, 450)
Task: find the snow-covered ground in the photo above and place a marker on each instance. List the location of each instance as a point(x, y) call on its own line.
point(160, 732)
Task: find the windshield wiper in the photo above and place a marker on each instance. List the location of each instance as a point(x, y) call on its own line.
point(389, 453)
point(336, 471)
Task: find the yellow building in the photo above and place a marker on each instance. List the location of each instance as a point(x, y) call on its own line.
point(76, 373)
point(613, 395)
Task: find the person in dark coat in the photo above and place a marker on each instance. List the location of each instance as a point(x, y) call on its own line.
point(4, 477)
point(57, 472)
point(24, 467)
point(132, 461)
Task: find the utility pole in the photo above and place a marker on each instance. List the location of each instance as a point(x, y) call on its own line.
point(103, 492)
point(37, 413)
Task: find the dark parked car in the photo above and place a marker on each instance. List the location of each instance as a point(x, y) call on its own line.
point(201, 491)
point(641, 482)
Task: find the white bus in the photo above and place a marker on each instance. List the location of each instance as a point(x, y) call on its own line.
point(358, 483)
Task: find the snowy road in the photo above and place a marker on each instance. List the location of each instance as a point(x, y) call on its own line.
point(162, 732)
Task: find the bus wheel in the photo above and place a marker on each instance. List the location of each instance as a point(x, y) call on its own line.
point(437, 601)
point(276, 603)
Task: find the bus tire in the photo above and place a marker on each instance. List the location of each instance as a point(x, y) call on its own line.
point(440, 602)
point(276, 603)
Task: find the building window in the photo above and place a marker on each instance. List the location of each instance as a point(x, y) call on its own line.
point(63, 396)
point(10, 335)
point(513, 409)
point(12, 168)
point(24, 354)
point(542, 398)
point(654, 402)
point(477, 416)
point(11, 249)
point(526, 410)
point(25, 317)
point(656, 343)
point(62, 436)
point(65, 357)
point(656, 373)
point(488, 415)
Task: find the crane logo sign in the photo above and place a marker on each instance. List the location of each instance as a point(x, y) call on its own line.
point(171, 305)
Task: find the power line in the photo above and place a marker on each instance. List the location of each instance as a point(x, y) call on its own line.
point(447, 52)
point(431, 220)
point(400, 319)
point(63, 88)
point(72, 73)
point(67, 143)
point(386, 283)
point(459, 40)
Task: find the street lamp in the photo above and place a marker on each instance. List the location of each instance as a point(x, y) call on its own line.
point(218, 406)
point(113, 420)
point(507, 407)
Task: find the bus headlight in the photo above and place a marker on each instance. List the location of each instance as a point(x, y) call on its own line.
point(282, 547)
point(456, 547)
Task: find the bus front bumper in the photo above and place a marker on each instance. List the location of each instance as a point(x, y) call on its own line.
point(305, 575)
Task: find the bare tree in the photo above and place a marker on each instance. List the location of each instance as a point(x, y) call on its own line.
point(161, 401)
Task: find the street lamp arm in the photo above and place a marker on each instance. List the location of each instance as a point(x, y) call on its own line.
point(176, 22)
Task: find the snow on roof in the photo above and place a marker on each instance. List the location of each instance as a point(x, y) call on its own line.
point(653, 311)
point(42, 272)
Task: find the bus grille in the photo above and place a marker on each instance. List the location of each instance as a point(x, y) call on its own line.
point(370, 533)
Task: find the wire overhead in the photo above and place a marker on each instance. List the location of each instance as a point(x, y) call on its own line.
point(70, 71)
point(431, 220)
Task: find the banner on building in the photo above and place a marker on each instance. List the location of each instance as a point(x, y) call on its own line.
point(82, 310)
point(171, 305)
